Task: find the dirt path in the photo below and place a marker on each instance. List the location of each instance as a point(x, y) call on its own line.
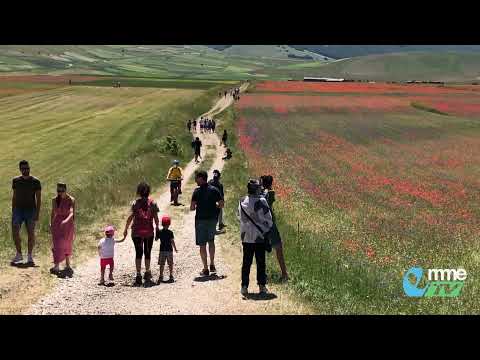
point(189, 294)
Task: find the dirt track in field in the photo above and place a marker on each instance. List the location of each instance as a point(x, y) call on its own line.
point(190, 293)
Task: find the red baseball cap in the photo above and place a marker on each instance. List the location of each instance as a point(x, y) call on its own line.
point(165, 220)
point(110, 229)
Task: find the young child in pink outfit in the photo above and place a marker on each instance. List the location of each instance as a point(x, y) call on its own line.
point(106, 249)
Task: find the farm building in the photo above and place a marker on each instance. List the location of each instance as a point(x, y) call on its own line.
point(324, 79)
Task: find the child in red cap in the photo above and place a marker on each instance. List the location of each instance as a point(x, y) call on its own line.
point(106, 248)
point(167, 244)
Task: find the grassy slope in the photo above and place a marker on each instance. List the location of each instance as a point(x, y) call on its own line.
point(101, 149)
point(160, 61)
point(402, 67)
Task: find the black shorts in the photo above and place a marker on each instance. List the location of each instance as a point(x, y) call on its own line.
point(143, 246)
point(174, 184)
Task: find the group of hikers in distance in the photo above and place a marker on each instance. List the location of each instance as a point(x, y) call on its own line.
point(235, 93)
point(206, 125)
point(258, 230)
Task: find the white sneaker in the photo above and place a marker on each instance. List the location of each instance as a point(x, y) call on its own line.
point(244, 291)
point(17, 259)
point(263, 289)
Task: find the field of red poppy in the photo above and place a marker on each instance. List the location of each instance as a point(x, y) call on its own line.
point(371, 180)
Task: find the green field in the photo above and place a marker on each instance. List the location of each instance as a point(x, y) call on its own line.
point(365, 191)
point(154, 61)
point(99, 140)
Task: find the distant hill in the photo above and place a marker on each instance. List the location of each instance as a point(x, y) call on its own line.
point(448, 67)
point(158, 61)
point(280, 62)
point(271, 51)
point(347, 51)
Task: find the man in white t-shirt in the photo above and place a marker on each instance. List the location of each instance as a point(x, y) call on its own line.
point(106, 250)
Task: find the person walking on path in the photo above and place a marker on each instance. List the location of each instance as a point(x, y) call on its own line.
point(224, 138)
point(189, 125)
point(62, 228)
point(255, 221)
point(197, 145)
point(206, 201)
point(275, 238)
point(167, 245)
point(175, 178)
point(194, 126)
point(26, 203)
point(214, 124)
point(144, 212)
point(215, 182)
point(106, 251)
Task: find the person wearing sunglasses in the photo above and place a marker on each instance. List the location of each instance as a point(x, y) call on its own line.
point(26, 202)
point(63, 230)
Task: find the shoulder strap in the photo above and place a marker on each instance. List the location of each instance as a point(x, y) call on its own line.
point(249, 218)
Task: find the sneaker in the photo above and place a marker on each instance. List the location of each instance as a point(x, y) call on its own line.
point(101, 283)
point(212, 269)
point(147, 276)
point(54, 271)
point(171, 279)
point(68, 271)
point(221, 226)
point(16, 260)
point(138, 280)
point(244, 291)
point(30, 261)
point(263, 289)
point(204, 272)
point(160, 280)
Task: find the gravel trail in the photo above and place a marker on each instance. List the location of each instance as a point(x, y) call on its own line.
point(189, 294)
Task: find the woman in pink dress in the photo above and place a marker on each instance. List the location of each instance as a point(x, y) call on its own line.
point(62, 229)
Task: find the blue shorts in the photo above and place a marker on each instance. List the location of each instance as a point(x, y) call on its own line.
point(23, 215)
point(205, 231)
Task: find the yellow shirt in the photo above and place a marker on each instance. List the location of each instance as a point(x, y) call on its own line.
point(175, 173)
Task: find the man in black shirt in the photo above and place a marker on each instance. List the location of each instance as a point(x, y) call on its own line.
point(206, 201)
point(197, 144)
point(26, 202)
point(215, 182)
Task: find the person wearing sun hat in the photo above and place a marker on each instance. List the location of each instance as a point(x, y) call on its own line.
point(106, 249)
